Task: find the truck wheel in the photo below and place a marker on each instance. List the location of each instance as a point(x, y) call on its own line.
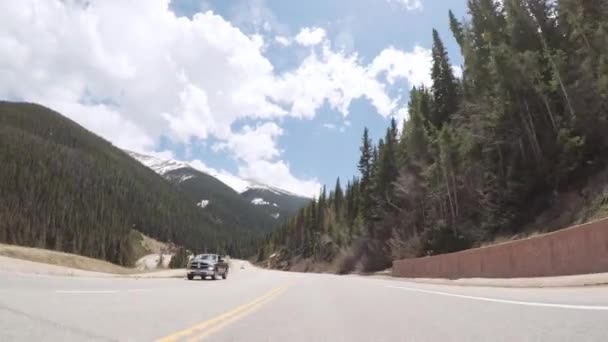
point(224, 275)
point(190, 277)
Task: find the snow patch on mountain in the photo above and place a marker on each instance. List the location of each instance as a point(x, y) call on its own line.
point(276, 216)
point(255, 185)
point(259, 201)
point(158, 165)
point(180, 178)
point(185, 178)
point(203, 203)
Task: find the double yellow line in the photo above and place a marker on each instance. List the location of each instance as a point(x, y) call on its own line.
point(204, 329)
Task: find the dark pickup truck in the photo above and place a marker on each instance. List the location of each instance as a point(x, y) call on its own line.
point(207, 265)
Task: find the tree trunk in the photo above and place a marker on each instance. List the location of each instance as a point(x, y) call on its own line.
point(529, 133)
point(533, 130)
point(541, 33)
point(450, 201)
point(549, 111)
point(456, 206)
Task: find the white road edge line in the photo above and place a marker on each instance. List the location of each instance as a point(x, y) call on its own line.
point(86, 291)
point(139, 290)
point(506, 301)
point(102, 291)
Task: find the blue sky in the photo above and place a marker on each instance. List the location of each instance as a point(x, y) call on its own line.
point(362, 26)
point(272, 90)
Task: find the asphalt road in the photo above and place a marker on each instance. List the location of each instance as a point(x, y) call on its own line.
point(260, 305)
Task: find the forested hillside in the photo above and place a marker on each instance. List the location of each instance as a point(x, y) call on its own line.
point(481, 155)
point(63, 188)
point(225, 203)
point(276, 203)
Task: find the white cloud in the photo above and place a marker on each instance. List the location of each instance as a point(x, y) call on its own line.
point(457, 70)
point(338, 78)
point(310, 36)
point(333, 127)
point(140, 57)
point(105, 120)
point(401, 115)
point(282, 40)
point(414, 66)
point(251, 144)
point(133, 72)
point(409, 5)
point(331, 77)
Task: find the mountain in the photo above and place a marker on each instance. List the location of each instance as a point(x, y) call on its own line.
point(211, 194)
point(275, 202)
point(64, 188)
point(254, 197)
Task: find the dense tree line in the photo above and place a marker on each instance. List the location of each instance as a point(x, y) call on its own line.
point(63, 188)
point(480, 155)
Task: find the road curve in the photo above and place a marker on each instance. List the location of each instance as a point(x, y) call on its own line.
point(261, 305)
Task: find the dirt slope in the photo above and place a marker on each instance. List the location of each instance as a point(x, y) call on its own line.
point(62, 259)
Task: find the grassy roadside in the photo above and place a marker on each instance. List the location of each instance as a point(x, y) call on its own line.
point(63, 259)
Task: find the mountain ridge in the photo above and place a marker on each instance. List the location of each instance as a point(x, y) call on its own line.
point(276, 203)
point(67, 189)
point(163, 166)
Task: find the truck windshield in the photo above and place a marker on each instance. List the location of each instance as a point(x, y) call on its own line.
point(207, 257)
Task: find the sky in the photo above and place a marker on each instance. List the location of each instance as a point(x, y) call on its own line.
point(272, 90)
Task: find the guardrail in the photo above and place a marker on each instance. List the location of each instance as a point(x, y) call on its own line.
point(579, 249)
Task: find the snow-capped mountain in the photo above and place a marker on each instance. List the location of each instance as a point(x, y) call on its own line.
point(252, 184)
point(208, 184)
point(160, 166)
point(240, 185)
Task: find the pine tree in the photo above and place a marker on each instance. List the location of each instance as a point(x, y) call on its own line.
point(386, 166)
point(368, 154)
point(366, 157)
point(457, 29)
point(415, 138)
point(445, 88)
point(338, 198)
point(321, 207)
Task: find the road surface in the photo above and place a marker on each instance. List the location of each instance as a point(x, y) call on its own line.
point(261, 305)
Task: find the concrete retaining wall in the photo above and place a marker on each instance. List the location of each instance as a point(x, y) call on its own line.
point(575, 250)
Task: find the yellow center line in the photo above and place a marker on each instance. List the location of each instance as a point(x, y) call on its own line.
point(206, 328)
point(223, 323)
